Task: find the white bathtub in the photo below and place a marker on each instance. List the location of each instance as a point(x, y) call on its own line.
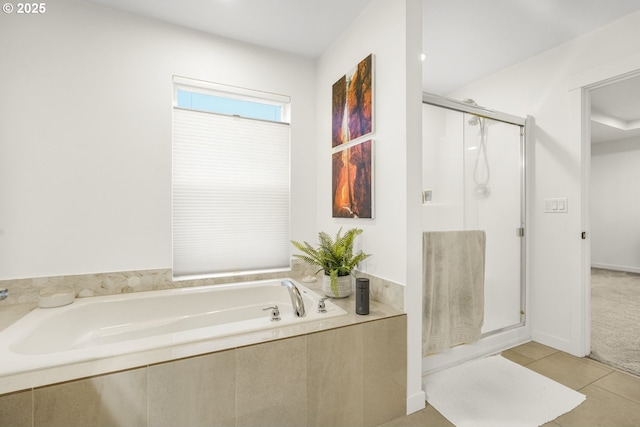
point(111, 326)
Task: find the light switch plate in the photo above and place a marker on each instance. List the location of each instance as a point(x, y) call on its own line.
point(556, 205)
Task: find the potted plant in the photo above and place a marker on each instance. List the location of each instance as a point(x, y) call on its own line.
point(336, 258)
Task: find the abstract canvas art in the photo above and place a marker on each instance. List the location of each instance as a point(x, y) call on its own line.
point(352, 104)
point(352, 187)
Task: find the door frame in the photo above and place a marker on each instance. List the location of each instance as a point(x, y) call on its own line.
point(580, 88)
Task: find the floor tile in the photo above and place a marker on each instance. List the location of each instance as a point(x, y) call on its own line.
point(428, 417)
point(598, 364)
point(621, 384)
point(602, 409)
point(613, 397)
point(534, 350)
point(569, 370)
point(516, 357)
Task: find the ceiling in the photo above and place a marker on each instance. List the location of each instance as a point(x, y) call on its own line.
point(301, 27)
point(463, 40)
point(615, 111)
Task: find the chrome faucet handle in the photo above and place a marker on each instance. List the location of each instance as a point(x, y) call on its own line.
point(4, 293)
point(321, 307)
point(275, 312)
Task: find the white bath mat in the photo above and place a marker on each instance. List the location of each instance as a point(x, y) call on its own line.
point(496, 392)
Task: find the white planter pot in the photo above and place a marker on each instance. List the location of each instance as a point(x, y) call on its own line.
point(345, 286)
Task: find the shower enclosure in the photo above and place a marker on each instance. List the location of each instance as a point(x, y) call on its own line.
point(473, 176)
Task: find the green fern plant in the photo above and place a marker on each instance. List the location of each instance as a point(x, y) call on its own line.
point(334, 256)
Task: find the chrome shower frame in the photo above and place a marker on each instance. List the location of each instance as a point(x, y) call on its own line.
point(525, 130)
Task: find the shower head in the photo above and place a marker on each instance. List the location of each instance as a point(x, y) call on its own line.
point(473, 120)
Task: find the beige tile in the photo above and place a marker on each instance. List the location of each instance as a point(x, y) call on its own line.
point(199, 391)
point(516, 357)
point(335, 377)
point(568, 370)
point(271, 383)
point(534, 350)
point(598, 364)
point(385, 370)
point(118, 399)
point(621, 384)
point(16, 409)
point(612, 400)
point(602, 409)
point(428, 417)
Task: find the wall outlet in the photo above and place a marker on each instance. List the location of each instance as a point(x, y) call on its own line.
point(556, 205)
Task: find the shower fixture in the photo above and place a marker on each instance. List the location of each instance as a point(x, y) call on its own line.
point(482, 189)
point(473, 120)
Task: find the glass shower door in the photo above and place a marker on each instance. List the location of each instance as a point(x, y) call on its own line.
point(473, 173)
point(492, 201)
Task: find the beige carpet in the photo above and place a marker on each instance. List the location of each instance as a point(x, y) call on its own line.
point(496, 392)
point(615, 319)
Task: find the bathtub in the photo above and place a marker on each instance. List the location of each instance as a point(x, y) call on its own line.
point(100, 328)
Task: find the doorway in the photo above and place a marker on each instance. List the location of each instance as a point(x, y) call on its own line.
point(614, 109)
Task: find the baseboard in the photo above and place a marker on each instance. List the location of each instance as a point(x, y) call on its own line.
point(626, 268)
point(416, 402)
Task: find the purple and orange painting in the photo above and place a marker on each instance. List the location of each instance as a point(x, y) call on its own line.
point(352, 104)
point(352, 172)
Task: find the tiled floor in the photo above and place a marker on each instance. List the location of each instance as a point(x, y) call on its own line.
point(613, 397)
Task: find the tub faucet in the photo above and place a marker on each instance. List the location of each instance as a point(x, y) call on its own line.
point(4, 293)
point(275, 313)
point(296, 298)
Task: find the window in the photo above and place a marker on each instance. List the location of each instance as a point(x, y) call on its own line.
point(231, 167)
point(229, 106)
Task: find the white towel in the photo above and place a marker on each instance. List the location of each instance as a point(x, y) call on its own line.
point(453, 288)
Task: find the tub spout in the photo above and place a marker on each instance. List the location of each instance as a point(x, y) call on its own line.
point(296, 298)
point(4, 293)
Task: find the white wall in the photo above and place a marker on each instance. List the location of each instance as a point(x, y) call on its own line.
point(85, 135)
point(615, 205)
point(392, 32)
point(385, 235)
point(442, 164)
point(548, 87)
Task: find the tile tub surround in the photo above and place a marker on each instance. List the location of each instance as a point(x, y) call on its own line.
point(353, 375)
point(26, 291)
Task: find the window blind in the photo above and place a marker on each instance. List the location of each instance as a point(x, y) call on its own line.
point(231, 182)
